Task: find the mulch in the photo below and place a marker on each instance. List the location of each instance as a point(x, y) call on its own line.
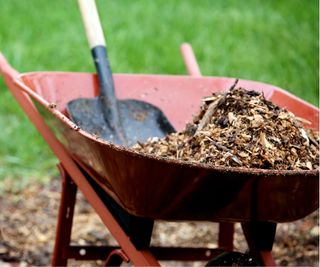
point(28, 221)
point(240, 128)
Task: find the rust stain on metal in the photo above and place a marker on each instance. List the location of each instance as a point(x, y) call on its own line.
point(139, 116)
point(52, 105)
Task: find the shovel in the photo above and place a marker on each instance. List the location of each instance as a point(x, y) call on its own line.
point(122, 122)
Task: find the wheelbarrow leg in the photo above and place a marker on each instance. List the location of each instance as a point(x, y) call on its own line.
point(260, 238)
point(65, 217)
point(226, 231)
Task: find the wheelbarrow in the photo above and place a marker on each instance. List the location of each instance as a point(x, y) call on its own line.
point(129, 190)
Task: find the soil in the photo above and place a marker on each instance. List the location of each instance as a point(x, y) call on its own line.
point(28, 221)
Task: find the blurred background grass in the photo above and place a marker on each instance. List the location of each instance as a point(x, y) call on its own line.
point(273, 41)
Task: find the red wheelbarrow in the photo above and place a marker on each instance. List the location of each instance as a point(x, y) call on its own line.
point(129, 190)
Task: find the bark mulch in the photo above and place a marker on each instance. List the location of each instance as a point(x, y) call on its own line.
point(240, 128)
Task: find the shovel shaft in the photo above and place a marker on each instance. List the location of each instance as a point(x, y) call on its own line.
point(95, 36)
point(101, 62)
point(91, 21)
point(107, 97)
point(106, 93)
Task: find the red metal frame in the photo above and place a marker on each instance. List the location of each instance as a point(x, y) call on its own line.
point(115, 255)
point(260, 245)
point(65, 217)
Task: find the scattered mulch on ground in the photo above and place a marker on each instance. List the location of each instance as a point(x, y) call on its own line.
point(241, 128)
point(28, 220)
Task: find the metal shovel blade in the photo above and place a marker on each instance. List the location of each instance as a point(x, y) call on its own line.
point(123, 122)
point(140, 120)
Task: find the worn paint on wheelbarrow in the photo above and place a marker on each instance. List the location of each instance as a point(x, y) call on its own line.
point(157, 188)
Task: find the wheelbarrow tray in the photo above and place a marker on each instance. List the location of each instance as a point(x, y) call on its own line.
point(158, 188)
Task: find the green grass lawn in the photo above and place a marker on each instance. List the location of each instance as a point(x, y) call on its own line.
point(273, 41)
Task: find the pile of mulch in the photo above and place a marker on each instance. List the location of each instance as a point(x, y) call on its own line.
point(28, 221)
point(241, 128)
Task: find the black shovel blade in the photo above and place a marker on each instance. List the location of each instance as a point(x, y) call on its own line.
point(140, 120)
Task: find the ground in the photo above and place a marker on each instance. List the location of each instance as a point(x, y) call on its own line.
point(28, 220)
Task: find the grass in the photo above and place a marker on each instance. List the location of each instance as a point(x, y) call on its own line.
point(270, 41)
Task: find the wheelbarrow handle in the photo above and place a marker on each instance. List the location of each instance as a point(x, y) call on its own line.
point(6, 70)
point(190, 60)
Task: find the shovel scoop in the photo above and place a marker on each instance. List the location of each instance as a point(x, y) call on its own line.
point(122, 122)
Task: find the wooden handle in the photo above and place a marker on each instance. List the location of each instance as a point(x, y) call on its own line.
point(190, 60)
point(91, 23)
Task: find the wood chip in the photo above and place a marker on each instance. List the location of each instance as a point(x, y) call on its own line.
point(264, 142)
point(207, 116)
